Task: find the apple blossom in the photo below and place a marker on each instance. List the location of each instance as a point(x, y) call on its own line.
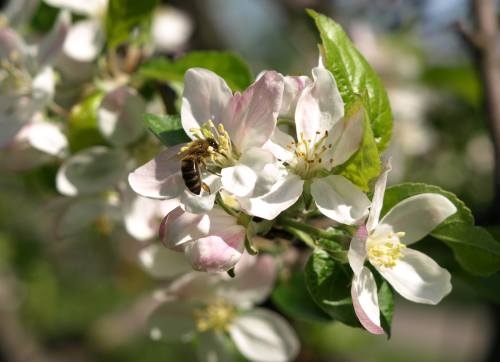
point(211, 241)
point(210, 308)
point(240, 124)
point(414, 275)
point(26, 77)
point(324, 140)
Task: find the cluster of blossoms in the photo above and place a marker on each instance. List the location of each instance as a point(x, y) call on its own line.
point(259, 166)
point(258, 170)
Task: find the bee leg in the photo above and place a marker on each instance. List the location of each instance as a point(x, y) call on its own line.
point(205, 187)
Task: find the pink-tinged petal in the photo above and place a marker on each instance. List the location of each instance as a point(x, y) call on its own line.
point(320, 105)
point(250, 117)
point(120, 116)
point(161, 177)
point(161, 262)
point(52, 44)
point(340, 200)
point(142, 216)
point(173, 321)
point(357, 250)
point(350, 133)
point(253, 282)
point(205, 97)
point(217, 253)
point(11, 43)
point(292, 90)
point(92, 170)
point(263, 336)
point(84, 41)
point(365, 301)
point(179, 227)
point(378, 197)
point(418, 278)
point(282, 195)
point(418, 215)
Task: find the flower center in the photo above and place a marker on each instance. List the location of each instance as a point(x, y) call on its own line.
point(215, 316)
point(310, 154)
point(14, 78)
point(385, 251)
point(223, 155)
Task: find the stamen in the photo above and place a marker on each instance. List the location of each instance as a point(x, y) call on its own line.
point(216, 316)
point(387, 251)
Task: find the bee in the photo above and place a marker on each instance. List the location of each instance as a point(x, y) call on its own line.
point(193, 158)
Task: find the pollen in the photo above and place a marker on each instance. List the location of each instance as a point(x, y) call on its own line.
point(385, 252)
point(215, 316)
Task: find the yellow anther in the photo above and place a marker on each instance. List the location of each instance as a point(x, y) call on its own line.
point(215, 316)
point(386, 252)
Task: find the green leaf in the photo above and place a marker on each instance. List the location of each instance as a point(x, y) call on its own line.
point(226, 64)
point(486, 288)
point(355, 77)
point(124, 17)
point(397, 193)
point(474, 248)
point(364, 165)
point(167, 128)
point(293, 299)
point(329, 284)
point(82, 125)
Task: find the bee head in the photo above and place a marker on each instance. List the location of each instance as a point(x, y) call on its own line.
point(212, 143)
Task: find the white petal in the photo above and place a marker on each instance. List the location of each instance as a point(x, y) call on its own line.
point(171, 29)
point(173, 321)
point(253, 282)
point(161, 262)
point(205, 97)
point(83, 7)
point(281, 145)
point(418, 278)
point(95, 169)
point(365, 301)
point(142, 216)
point(281, 196)
point(84, 41)
point(319, 106)
point(44, 85)
point(239, 180)
point(357, 250)
point(204, 202)
point(48, 138)
point(339, 199)
point(250, 117)
point(214, 347)
point(291, 93)
point(378, 197)
point(351, 133)
point(418, 215)
point(159, 178)
point(263, 336)
point(120, 116)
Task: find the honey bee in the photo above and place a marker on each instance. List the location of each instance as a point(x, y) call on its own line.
point(193, 158)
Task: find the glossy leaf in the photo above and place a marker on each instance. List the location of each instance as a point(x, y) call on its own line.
point(226, 64)
point(167, 128)
point(355, 77)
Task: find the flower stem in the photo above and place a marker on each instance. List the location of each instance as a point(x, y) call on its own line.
point(335, 235)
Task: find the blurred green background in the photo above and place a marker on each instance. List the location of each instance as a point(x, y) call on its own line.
point(76, 298)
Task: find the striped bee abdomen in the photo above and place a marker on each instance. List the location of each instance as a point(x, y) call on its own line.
point(190, 170)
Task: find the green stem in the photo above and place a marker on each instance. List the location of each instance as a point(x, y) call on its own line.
point(226, 208)
point(334, 235)
point(306, 238)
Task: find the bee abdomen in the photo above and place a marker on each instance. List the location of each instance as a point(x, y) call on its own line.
point(191, 174)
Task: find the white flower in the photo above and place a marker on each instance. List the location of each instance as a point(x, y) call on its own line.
point(239, 124)
point(384, 243)
point(324, 139)
point(26, 78)
point(213, 307)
